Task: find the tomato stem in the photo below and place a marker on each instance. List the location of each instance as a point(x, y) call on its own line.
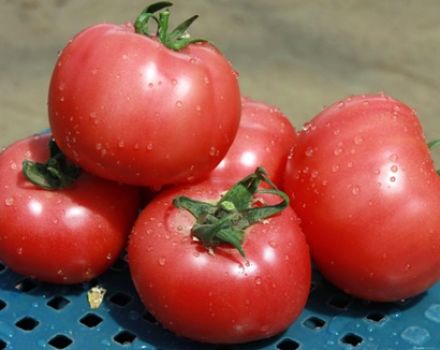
point(177, 39)
point(58, 173)
point(226, 221)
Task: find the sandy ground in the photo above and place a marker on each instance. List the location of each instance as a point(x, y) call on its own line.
point(296, 54)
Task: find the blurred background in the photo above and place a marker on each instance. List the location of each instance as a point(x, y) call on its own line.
point(298, 55)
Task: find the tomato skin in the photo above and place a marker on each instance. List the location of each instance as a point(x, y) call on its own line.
point(62, 236)
point(265, 138)
point(363, 182)
point(126, 108)
point(220, 298)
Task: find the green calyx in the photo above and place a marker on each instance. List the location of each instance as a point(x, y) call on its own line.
point(433, 144)
point(177, 39)
point(58, 173)
point(226, 221)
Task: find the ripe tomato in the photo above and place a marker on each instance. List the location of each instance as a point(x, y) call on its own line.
point(363, 182)
point(62, 236)
point(218, 297)
point(126, 107)
point(265, 138)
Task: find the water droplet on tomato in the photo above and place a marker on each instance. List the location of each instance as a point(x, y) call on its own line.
point(60, 272)
point(13, 165)
point(62, 99)
point(338, 151)
point(109, 256)
point(124, 57)
point(341, 104)
point(9, 201)
point(162, 261)
point(393, 179)
point(174, 82)
point(258, 281)
point(309, 152)
point(393, 157)
point(355, 190)
point(150, 85)
point(394, 168)
point(192, 60)
point(336, 132)
point(149, 146)
point(179, 104)
point(213, 151)
point(20, 251)
point(335, 168)
point(198, 108)
point(61, 86)
point(358, 140)
point(121, 144)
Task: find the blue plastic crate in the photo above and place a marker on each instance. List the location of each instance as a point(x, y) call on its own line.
point(35, 315)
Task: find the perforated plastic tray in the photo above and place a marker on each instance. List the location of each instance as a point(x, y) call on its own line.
point(36, 315)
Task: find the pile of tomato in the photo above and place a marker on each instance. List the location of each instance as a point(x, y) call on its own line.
point(218, 202)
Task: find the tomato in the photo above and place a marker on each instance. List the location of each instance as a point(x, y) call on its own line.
point(217, 295)
point(363, 182)
point(126, 107)
point(60, 236)
point(265, 138)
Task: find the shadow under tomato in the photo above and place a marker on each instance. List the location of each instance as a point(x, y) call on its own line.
point(330, 301)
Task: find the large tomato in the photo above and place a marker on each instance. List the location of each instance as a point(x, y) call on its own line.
point(216, 295)
point(132, 107)
point(265, 138)
point(62, 236)
point(363, 182)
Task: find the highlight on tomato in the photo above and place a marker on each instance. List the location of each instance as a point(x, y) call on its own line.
point(265, 138)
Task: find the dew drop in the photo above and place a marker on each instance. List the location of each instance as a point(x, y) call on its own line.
point(336, 132)
point(338, 151)
point(335, 168)
point(393, 157)
point(9, 201)
point(121, 144)
point(13, 165)
point(341, 104)
point(358, 140)
point(162, 261)
point(355, 190)
point(149, 146)
point(174, 82)
point(179, 104)
point(109, 256)
point(309, 152)
point(258, 281)
point(394, 168)
point(20, 251)
point(393, 179)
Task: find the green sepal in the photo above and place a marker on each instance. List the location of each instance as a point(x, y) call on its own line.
point(58, 173)
point(227, 220)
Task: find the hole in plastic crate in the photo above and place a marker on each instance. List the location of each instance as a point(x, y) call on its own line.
point(149, 318)
point(27, 323)
point(120, 299)
point(124, 338)
point(60, 341)
point(2, 305)
point(288, 344)
point(2, 267)
point(91, 320)
point(26, 285)
point(314, 323)
point(58, 302)
point(351, 339)
point(339, 301)
point(375, 316)
point(2, 344)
